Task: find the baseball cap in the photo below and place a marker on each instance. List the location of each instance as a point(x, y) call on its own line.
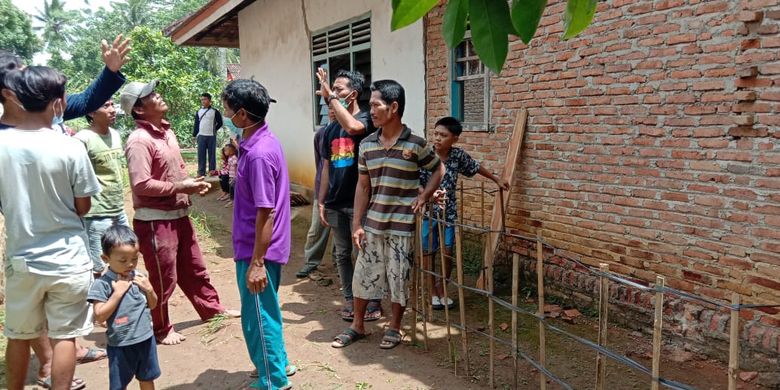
point(134, 91)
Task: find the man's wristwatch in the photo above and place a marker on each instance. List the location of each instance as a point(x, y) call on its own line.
point(258, 263)
point(328, 99)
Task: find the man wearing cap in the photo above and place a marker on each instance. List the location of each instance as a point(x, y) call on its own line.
point(161, 190)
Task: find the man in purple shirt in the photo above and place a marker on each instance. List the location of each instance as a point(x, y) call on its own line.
point(261, 229)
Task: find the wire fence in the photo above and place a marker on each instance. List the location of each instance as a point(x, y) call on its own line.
point(422, 287)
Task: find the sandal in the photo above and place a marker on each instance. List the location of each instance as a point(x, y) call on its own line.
point(391, 339)
point(348, 313)
point(75, 384)
point(346, 338)
point(373, 311)
point(93, 354)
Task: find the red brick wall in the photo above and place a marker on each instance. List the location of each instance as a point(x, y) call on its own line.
point(652, 142)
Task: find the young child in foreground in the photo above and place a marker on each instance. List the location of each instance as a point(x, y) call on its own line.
point(456, 162)
point(123, 298)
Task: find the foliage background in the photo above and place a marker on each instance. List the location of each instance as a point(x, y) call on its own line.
point(72, 39)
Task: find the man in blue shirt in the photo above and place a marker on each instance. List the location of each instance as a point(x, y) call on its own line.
point(79, 104)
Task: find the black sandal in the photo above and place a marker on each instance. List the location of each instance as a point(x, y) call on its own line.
point(391, 339)
point(346, 338)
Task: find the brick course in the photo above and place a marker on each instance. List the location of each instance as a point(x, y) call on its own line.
point(652, 144)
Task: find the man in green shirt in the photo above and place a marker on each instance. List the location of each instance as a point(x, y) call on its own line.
point(104, 147)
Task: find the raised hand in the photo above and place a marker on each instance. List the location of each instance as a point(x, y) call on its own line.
point(116, 54)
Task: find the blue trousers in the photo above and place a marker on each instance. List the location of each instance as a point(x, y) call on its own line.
point(207, 144)
point(261, 321)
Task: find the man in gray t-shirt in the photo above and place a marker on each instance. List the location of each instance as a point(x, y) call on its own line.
point(207, 121)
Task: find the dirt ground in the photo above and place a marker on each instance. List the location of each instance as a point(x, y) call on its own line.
point(214, 355)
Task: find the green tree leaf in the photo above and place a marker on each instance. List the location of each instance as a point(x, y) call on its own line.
point(454, 25)
point(406, 12)
point(16, 32)
point(579, 14)
point(526, 15)
point(490, 26)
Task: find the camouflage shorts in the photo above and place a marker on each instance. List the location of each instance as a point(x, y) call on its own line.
point(384, 264)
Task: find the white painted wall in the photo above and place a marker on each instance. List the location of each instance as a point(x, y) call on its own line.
point(275, 50)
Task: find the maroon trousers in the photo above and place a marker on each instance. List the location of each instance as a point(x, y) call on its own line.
point(172, 256)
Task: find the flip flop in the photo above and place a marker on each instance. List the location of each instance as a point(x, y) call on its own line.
point(93, 354)
point(75, 384)
point(348, 313)
point(373, 311)
point(346, 338)
point(391, 339)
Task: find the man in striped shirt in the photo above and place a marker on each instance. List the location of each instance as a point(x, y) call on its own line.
point(387, 189)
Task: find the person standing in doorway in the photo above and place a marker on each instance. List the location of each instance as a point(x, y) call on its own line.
point(207, 122)
point(161, 198)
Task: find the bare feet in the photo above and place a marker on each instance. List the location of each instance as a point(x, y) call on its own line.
point(172, 338)
point(231, 313)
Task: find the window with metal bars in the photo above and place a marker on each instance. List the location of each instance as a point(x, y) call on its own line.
point(471, 94)
point(344, 46)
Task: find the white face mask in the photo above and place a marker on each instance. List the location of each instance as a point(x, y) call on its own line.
point(242, 128)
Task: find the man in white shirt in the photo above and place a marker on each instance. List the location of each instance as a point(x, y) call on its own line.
point(207, 121)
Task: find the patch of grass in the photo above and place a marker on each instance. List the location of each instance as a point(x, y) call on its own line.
point(201, 222)
point(362, 386)
point(214, 325)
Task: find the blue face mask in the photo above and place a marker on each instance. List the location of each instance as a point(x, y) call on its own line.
point(235, 131)
point(58, 119)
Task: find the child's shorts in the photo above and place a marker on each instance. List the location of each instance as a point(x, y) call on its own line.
point(132, 361)
point(449, 235)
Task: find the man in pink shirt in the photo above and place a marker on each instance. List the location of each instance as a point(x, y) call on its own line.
point(161, 199)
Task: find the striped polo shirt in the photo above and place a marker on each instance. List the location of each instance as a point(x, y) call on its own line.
point(394, 179)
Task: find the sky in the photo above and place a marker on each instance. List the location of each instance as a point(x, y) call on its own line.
point(32, 7)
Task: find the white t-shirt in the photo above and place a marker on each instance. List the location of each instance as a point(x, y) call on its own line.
point(41, 173)
point(206, 116)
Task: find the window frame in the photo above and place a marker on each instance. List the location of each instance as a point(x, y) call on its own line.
point(350, 50)
point(457, 94)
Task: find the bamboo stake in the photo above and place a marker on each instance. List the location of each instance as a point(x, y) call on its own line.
point(450, 347)
point(540, 310)
point(515, 292)
point(734, 342)
point(660, 281)
point(428, 266)
point(461, 298)
point(491, 324)
point(415, 279)
point(601, 360)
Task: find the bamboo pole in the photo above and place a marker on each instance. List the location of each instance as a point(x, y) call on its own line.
point(461, 298)
point(601, 360)
point(491, 325)
point(734, 342)
point(660, 282)
point(515, 293)
point(450, 347)
point(428, 266)
point(415, 278)
point(540, 310)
